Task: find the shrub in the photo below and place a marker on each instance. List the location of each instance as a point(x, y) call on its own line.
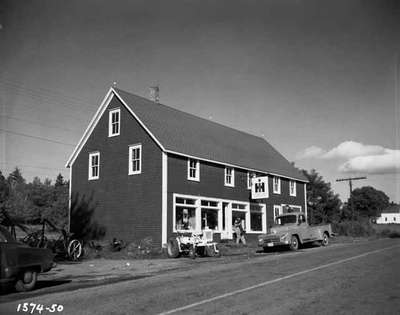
point(355, 229)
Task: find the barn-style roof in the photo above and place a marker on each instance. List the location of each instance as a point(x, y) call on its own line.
point(186, 134)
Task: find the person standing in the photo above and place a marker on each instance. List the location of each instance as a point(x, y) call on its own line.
point(238, 229)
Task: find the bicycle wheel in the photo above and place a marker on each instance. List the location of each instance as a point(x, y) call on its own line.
point(74, 250)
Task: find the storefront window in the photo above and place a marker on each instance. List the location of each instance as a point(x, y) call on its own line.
point(185, 218)
point(256, 216)
point(209, 219)
point(256, 221)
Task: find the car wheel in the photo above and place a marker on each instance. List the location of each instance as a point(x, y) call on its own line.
point(294, 243)
point(27, 281)
point(173, 248)
point(74, 250)
point(325, 240)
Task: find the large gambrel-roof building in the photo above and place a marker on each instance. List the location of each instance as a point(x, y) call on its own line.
point(151, 170)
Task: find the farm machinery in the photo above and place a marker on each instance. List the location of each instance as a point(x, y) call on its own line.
point(192, 245)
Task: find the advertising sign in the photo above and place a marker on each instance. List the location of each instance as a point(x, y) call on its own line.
point(259, 187)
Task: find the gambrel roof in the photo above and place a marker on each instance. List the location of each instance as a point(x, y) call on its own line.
point(185, 134)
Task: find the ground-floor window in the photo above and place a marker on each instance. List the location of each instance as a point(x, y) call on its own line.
point(195, 213)
point(185, 214)
point(277, 211)
point(209, 215)
point(257, 217)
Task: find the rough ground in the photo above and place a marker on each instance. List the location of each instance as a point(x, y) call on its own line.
point(353, 278)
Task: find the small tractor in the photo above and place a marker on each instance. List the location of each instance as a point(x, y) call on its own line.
point(193, 244)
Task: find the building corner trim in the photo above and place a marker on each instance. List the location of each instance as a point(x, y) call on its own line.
point(164, 199)
point(305, 199)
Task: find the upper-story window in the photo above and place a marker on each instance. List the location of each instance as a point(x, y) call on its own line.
point(135, 159)
point(229, 176)
point(249, 180)
point(94, 165)
point(292, 188)
point(193, 170)
point(276, 185)
point(114, 122)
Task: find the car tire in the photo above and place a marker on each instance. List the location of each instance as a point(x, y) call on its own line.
point(173, 248)
point(294, 243)
point(27, 281)
point(325, 239)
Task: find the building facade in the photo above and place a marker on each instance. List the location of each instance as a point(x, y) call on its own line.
point(391, 215)
point(149, 170)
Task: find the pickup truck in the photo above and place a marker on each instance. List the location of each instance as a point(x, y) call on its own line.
point(20, 264)
point(291, 229)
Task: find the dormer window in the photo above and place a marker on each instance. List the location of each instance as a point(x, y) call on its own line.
point(193, 170)
point(229, 176)
point(276, 184)
point(114, 121)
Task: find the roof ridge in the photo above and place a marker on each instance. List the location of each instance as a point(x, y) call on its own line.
point(190, 114)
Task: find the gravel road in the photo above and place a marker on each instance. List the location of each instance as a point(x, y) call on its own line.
point(358, 278)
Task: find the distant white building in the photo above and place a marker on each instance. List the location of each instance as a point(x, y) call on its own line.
point(390, 215)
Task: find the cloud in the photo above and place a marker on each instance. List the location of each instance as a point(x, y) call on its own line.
point(351, 149)
point(386, 163)
point(360, 158)
point(310, 152)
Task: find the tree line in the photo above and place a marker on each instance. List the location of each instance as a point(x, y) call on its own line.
point(30, 203)
point(324, 206)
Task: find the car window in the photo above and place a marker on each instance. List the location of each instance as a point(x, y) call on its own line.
point(287, 219)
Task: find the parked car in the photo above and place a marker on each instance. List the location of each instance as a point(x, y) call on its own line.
point(291, 229)
point(21, 264)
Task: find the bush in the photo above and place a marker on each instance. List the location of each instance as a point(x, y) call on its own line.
point(355, 229)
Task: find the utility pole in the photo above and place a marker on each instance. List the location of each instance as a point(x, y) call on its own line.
point(350, 179)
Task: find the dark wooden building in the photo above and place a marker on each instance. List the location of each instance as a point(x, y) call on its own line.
point(150, 170)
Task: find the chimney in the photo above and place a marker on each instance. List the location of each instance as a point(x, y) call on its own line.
point(155, 93)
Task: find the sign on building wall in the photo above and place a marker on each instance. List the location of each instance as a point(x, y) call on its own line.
point(259, 187)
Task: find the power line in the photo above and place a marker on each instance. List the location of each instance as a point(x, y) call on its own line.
point(37, 123)
point(46, 92)
point(35, 137)
point(51, 102)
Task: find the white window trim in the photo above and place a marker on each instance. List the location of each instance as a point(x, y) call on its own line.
point(197, 177)
point(232, 183)
point(277, 191)
point(279, 212)
point(110, 113)
point(130, 170)
point(198, 207)
point(91, 177)
point(263, 218)
point(248, 181)
point(294, 188)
